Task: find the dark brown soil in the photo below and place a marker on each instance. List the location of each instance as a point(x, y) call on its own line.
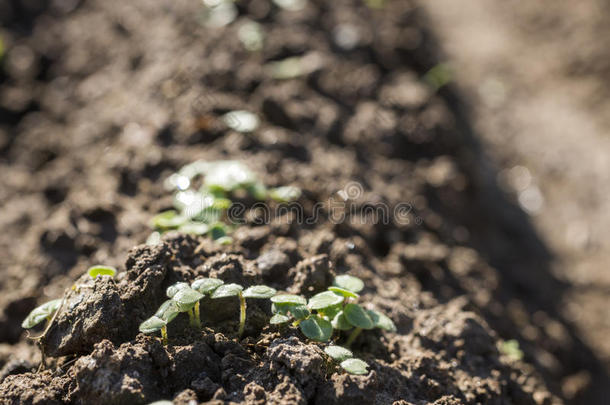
point(113, 96)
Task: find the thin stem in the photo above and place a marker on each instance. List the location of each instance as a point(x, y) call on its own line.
point(191, 318)
point(353, 336)
point(242, 314)
point(164, 335)
point(197, 316)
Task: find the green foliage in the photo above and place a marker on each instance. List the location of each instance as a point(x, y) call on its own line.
point(259, 291)
point(350, 283)
point(41, 313)
point(227, 290)
point(324, 300)
point(510, 349)
point(316, 328)
point(152, 324)
point(203, 211)
point(206, 285)
point(288, 299)
point(355, 366)
point(358, 317)
point(100, 270)
point(346, 359)
point(186, 299)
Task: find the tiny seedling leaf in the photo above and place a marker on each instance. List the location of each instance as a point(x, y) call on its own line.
point(347, 282)
point(168, 311)
point(218, 231)
point(152, 324)
point(206, 285)
point(41, 313)
point(194, 228)
point(227, 290)
point(285, 194)
point(168, 220)
point(173, 289)
point(316, 328)
point(339, 322)
point(278, 318)
point(100, 270)
point(228, 175)
point(343, 292)
point(358, 317)
point(186, 298)
point(299, 312)
point(324, 300)
point(338, 353)
point(282, 299)
point(259, 291)
point(224, 240)
point(381, 321)
point(355, 366)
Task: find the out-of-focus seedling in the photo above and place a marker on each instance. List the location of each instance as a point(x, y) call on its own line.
point(202, 211)
point(101, 270)
point(41, 313)
point(510, 349)
point(346, 360)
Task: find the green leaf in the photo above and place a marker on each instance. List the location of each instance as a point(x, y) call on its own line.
point(355, 366)
point(288, 299)
point(218, 230)
point(228, 175)
point(381, 321)
point(340, 322)
point(194, 228)
point(347, 282)
point(206, 285)
point(173, 289)
point(227, 290)
point(224, 240)
point(153, 239)
point(257, 190)
point(168, 311)
point(330, 312)
point(358, 317)
point(316, 328)
point(324, 300)
point(186, 298)
point(510, 348)
point(100, 270)
point(299, 312)
point(167, 220)
point(259, 291)
point(152, 325)
point(278, 318)
point(343, 292)
point(338, 353)
point(41, 313)
point(285, 194)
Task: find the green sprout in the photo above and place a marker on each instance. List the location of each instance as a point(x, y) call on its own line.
point(231, 290)
point(100, 270)
point(158, 322)
point(186, 300)
point(346, 360)
point(330, 310)
point(510, 349)
point(41, 313)
point(202, 211)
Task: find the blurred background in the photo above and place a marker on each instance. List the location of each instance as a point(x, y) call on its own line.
point(527, 82)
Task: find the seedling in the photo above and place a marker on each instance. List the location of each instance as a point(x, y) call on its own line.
point(510, 348)
point(202, 211)
point(158, 322)
point(100, 270)
point(186, 300)
point(231, 290)
point(334, 309)
point(41, 313)
point(346, 360)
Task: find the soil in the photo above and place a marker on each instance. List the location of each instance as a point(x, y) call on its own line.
point(94, 120)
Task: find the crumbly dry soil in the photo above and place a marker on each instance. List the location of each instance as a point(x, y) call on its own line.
point(102, 100)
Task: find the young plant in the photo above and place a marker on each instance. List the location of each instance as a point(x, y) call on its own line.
point(41, 313)
point(202, 211)
point(231, 290)
point(100, 270)
point(158, 322)
point(346, 360)
point(334, 309)
point(186, 300)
